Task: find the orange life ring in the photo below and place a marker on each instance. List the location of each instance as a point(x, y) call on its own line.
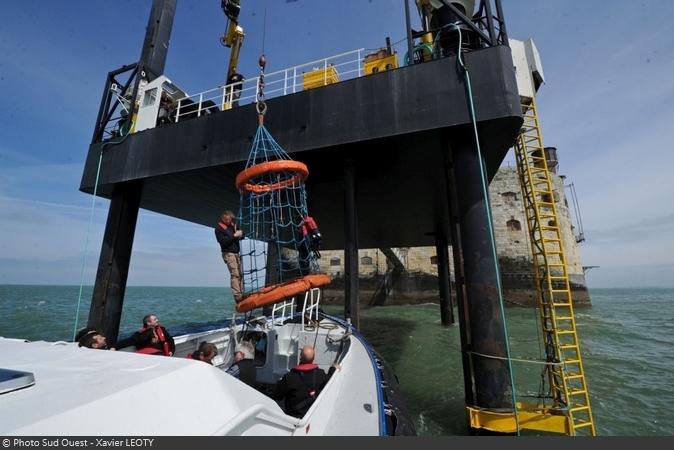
point(277, 292)
point(281, 165)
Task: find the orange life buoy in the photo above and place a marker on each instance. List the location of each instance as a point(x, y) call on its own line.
point(301, 172)
point(273, 294)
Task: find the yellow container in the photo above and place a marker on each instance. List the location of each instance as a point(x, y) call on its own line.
point(381, 64)
point(320, 77)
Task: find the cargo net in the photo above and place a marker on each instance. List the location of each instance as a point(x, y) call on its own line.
point(273, 215)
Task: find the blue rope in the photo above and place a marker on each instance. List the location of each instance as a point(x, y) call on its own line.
point(485, 193)
point(86, 242)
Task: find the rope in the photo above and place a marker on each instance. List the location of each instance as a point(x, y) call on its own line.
point(528, 361)
point(485, 193)
point(264, 27)
point(125, 130)
point(86, 243)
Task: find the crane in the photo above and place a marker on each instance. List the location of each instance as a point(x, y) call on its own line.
point(233, 37)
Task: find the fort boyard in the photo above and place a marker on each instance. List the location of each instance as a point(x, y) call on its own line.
point(416, 282)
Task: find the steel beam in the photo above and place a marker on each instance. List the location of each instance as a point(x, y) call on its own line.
point(350, 244)
point(442, 255)
point(113, 264)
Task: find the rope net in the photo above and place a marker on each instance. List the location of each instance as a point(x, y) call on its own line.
point(273, 215)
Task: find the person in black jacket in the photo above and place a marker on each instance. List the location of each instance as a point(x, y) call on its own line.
point(152, 339)
point(244, 365)
point(300, 387)
point(91, 338)
point(228, 237)
point(235, 79)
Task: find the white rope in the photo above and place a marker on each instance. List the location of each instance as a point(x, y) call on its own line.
point(530, 361)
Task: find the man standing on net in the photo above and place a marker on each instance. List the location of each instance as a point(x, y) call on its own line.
point(228, 237)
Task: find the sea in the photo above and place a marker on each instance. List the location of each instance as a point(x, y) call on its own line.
point(627, 340)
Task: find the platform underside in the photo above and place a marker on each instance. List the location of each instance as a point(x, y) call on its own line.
point(397, 126)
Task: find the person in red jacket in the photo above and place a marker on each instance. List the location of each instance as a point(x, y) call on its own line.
point(300, 387)
point(152, 339)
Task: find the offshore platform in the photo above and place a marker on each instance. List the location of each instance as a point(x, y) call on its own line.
point(400, 157)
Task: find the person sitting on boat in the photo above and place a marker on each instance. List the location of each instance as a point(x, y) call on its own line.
point(300, 387)
point(205, 353)
point(244, 364)
point(91, 338)
point(152, 339)
point(228, 237)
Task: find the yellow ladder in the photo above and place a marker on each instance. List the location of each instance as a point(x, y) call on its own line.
point(565, 371)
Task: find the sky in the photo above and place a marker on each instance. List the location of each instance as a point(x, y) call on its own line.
point(606, 106)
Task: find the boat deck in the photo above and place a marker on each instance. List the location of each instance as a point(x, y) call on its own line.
point(80, 391)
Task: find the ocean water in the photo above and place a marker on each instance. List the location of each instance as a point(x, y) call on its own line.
point(627, 339)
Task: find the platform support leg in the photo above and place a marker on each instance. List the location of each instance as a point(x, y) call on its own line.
point(442, 255)
point(105, 312)
point(350, 245)
point(484, 329)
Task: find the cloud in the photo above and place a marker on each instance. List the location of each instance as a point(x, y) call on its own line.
point(43, 243)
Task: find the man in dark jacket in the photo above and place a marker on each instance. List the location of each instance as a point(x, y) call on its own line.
point(244, 365)
point(302, 384)
point(235, 79)
point(91, 338)
point(152, 339)
point(228, 237)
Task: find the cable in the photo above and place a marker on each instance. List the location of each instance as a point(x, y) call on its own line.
point(125, 133)
point(528, 361)
point(487, 204)
point(86, 243)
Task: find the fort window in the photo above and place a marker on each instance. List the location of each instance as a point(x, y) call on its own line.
point(366, 261)
point(434, 260)
point(514, 225)
point(509, 197)
point(335, 261)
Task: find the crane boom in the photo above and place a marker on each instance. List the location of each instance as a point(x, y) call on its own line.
point(233, 37)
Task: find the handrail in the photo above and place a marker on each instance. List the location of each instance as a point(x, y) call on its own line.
point(346, 65)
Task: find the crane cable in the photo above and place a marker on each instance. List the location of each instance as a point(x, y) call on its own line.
point(485, 194)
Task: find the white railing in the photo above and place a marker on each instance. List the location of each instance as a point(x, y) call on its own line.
point(286, 309)
point(312, 299)
point(344, 66)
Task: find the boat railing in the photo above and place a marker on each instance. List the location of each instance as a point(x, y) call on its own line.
point(312, 299)
point(283, 310)
point(321, 72)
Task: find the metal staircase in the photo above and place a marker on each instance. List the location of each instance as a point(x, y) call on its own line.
point(568, 388)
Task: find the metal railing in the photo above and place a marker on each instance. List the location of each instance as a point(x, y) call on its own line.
point(321, 72)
